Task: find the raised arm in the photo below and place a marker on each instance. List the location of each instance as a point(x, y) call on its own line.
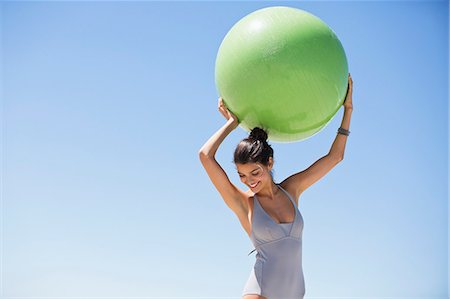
point(300, 181)
point(233, 196)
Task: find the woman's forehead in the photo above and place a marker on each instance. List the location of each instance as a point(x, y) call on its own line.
point(248, 167)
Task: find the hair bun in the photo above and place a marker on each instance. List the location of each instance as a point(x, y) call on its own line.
point(258, 134)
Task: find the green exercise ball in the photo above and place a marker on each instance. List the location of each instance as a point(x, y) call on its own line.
point(282, 69)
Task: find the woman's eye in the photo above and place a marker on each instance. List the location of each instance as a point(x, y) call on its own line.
point(256, 173)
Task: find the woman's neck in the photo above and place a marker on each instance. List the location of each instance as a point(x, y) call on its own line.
point(269, 192)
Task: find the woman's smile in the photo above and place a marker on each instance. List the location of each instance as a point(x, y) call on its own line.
point(254, 185)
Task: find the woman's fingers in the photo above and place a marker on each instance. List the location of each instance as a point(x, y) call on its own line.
point(222, 109)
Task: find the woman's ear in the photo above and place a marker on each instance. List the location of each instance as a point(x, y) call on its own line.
point(270, 165)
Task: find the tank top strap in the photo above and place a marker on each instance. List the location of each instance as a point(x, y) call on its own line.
point(288, 195)
point(255, 199)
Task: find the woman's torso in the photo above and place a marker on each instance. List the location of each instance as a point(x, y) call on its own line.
point(278, 265)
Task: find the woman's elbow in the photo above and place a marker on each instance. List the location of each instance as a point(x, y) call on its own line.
point(202, 154)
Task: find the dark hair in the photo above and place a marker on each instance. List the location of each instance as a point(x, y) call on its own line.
point(254, 148)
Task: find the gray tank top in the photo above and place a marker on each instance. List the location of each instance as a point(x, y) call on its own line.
point(278, 267)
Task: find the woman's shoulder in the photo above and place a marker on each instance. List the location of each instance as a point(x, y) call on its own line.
point(289, 189)
point(248, 195)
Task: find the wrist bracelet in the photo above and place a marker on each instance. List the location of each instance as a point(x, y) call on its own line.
point(343, 131)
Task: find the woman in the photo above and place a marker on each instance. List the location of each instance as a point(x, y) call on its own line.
point(265, 210)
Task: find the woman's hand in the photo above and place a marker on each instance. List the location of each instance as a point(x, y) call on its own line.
point(348, 103)
point(227, 113)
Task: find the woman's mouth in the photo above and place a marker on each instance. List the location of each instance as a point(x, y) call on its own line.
point(254, 185)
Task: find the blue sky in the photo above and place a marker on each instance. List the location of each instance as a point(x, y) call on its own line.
point(106, 104)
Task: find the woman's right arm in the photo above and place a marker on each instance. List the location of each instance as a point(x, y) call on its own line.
point(233, 196)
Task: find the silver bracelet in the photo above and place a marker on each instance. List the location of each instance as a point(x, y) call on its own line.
point(343, 131)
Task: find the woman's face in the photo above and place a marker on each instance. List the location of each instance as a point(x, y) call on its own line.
point(254, 175)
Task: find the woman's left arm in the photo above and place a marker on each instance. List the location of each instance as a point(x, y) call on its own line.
point(338, 147)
